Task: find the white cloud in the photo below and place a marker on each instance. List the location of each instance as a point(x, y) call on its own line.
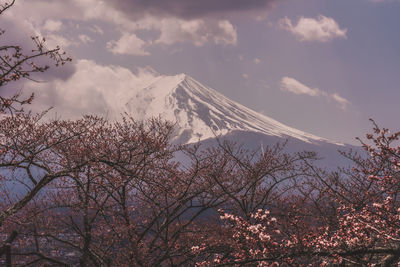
point(198, 32)
point(128, 44)
point(321, 29)
point(293, 86)
point(22, 29)
point(342, 101)
point(96, 29)
point(172, 29)
point(85, 39)
point(52, 25)
point(102, 90)
point(257, 61)
point(54, 40)
point(296, 87)
point(225, 34)
point(245, 75)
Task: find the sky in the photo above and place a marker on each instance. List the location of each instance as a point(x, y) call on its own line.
point(321, 66)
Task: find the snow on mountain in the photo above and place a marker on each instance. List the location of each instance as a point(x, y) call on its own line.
point(201, 112)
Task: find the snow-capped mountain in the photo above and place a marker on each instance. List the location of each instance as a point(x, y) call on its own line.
point(201, 112)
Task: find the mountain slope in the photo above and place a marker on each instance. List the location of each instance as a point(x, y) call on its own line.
point(201, 113)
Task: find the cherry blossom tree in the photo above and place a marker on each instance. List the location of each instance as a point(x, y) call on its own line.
point(16, 63)
point(344, 218)
point(368, 225)
point(125, 201)
point(23, 143)
point(90, 192)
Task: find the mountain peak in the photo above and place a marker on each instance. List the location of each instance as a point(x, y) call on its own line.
point(167, 81)
point(182, 76)
point(201, 112)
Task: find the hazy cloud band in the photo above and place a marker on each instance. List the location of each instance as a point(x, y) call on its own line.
point(189, 9)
